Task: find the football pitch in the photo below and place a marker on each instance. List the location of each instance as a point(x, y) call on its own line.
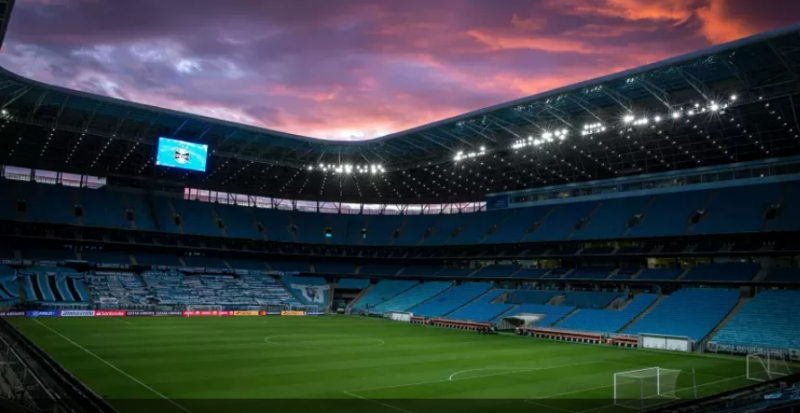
point(354, 364)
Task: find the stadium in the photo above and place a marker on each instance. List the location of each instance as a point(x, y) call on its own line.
point(627, 243)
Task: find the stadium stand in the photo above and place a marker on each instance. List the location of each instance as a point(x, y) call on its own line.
point(383, 291)
point(151, 258)
point(454, 272)
point(532, 297)
point(352, 283)
point(9, 288)
point(414, 296)
point(309, 290)
point(733, 271)
point(104, 208)
point(610, 219)
point(783, 275)
point(689, 313)
point(551, 313)
point(742, 206)
point(203, 261)
point(497, 271)
point(660, 274)
point(530, 273)
point(239, 222)
point(482, 309)
point(420, 270)
point(48, 254)
point(290, 266)
point(593, 273)
point(380, 269)
point(587, 299)
point(114, 257)
point(608, 321)
point(768, 320)
point(245, 264)
point(452, 299)
point(335, 268)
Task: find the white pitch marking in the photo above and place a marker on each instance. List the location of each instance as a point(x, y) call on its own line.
point(377, 402)
point(113, 367)
point(516, 370)
point(475, 377)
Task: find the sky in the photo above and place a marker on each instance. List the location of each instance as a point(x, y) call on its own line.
point(353, 69)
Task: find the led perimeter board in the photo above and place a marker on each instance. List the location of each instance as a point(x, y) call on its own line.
point(184, 155)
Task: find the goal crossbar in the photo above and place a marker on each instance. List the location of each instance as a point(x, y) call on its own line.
point(644, 384)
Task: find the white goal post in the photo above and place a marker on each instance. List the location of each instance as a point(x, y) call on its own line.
point(636, 387)
point(767, 366)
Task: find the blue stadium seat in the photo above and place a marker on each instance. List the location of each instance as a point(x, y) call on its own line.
point(380, 269)
point(738, 209)
point(352, 283)
point(669, 214)
point(204, 262)
point(768, 320)
point(421, 270)
point(113, 257)
point(591, 273)
point(532, 297)
point(611, 218)
point(733, 271)
point(414, 296)
point(198, 217)
point(451, 299)
point(784, 275)
point(560, 223)
point(660, 274)
point(335, 268)
point(497, 271)
point(290, 266)
point(454, 272)
point(482, 309)
point(275, 223)
point(530, 273)
point(245, 264)
point(104, 208)
point(552, 313)
point(239, 221)
point(608, 321)
point(150, 258)
point(383, 291)
point(589, 299)
point(51, 203)
point(689, 313)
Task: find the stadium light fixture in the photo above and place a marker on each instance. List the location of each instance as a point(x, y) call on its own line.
point(628, 118)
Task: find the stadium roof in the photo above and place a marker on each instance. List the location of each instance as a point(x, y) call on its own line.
point(729, 103)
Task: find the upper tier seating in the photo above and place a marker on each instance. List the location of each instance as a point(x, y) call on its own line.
point(589, 299)
point(9, 289)
point(113, 257)
point(530, 273)
point(239, 222)
point(290, 266)
point(733, 209)
point(421, 270)
point(482, 309)
point(335, 268)
point(454, 272)
point(382, 291)
point(591, 273)
point(204, 262)
point(451, 299)
point(532, 297)
point(768, 320)
point(245, 264)
point(660, 274)
point(151, 258)
point(310, 290)
point(498, 271)
point(689, 313)
point(608, 321)
point(380, 269)
point(414, 296)
point(783, 275)
point(552, 313)
point(733, 271)
point(353, 283)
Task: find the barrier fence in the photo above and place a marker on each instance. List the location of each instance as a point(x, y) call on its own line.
point(126, 313)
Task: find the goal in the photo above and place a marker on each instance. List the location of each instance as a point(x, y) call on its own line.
point(645, 387)
point(767, 366)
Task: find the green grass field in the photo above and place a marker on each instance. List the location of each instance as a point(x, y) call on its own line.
point(350, 364)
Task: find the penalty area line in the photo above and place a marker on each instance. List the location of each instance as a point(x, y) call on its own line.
point(113, 366)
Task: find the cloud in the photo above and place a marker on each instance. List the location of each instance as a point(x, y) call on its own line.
point(355, 69)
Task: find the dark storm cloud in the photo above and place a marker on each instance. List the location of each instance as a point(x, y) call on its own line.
point(356, 69)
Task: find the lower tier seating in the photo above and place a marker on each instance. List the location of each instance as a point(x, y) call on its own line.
point(382, 291)
point(353, 283)
point(608, 321)
point(770, 319)
point(415, 296)
point(689, 313)
point(451, 299)
point(482, 309)
point(551, 313)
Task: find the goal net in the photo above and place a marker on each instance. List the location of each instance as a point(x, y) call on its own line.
point(765, 367)
point(645, 387)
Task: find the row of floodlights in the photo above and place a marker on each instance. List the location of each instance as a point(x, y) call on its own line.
point(348, 169)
